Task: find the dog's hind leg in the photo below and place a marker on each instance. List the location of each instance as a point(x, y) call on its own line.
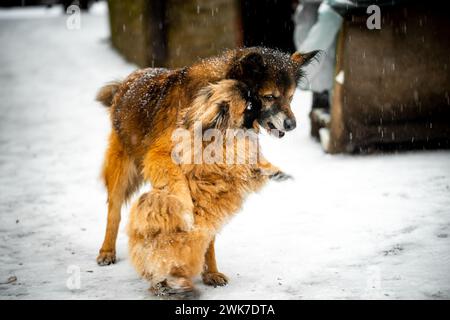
point(121, 179)
point(211, 275)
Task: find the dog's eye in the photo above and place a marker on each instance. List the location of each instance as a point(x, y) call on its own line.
point(269, 97)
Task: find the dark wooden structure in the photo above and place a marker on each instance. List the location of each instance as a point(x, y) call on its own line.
point(396, 81)
point(175, 33)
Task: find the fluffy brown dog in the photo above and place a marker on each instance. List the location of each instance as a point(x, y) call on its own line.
point(166, 246)
point(146, 108)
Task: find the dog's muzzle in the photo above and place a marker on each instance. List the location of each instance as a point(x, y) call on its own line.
point(289, 124)
point(278, 124)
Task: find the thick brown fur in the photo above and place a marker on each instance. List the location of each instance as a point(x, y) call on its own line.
point(172, 228)
point(165, 245)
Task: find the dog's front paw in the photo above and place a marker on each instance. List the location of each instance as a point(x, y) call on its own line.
point(214, 279)
point(280, 176)
point(106, 258)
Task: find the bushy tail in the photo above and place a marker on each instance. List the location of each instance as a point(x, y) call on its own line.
point(106, 94)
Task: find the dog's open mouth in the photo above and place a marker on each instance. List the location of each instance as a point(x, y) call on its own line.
point(274, 131)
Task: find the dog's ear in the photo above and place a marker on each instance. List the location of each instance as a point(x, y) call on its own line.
point(303, 59)
point(250, 66)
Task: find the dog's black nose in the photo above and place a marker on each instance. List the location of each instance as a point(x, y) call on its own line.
point(289, 124)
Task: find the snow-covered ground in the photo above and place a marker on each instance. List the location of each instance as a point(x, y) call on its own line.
point(373, 226)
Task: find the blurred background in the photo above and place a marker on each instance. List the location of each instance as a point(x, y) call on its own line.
point(393, 88)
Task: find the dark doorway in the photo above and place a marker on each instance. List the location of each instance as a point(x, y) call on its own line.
point(268, 23)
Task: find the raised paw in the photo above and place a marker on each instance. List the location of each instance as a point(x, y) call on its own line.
point(106, 258)
point(214, 279)
point(280, 176)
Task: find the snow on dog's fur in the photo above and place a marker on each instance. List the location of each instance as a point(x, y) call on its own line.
point(164, 247)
